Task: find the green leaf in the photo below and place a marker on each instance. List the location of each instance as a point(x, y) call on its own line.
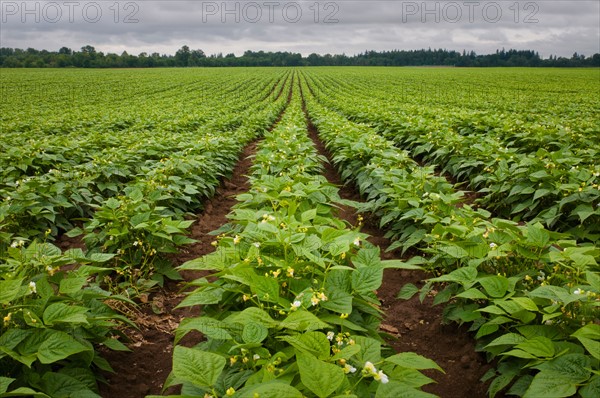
point(588, 336)
point(252, 314)
point(266, 288)
point(407, 291)
point(367, 279)
point(463, 275)
point(308, 215)
point(540, 347)
point(60, 345)
point(473, 294)
point(592, 390)
point(537, 235)
point(254, 333)
point(209, 327)
point(25, 392)
point(302, 321)
point(314, 343)
point(398, 264)
point(338, 301)
point(62, 313)
point(197, 367)
point(112, 204)
point(101, 257)
point(4, 383)
point(397, 389)
point(454, 251)
point(494, 285)
point(550, 385)
point(9, 290)
point(319, 377)
point(370, 349)
point(64, 385)
point(273, 389)
point(525, 303)
point(555, 293)
point(203, 296)
point(114, 345)
point(507, 339)
point(413, 361)
point(574, 367)
point(135, 194)
point(72, 285)
point(346, 352)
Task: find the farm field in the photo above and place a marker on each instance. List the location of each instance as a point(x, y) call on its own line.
point(289, 232)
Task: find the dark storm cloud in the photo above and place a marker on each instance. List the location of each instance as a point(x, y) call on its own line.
point(551, 27)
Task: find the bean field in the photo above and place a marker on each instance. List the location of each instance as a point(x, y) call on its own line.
point(300, 232)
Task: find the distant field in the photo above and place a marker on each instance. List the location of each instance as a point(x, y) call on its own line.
point(486, 179)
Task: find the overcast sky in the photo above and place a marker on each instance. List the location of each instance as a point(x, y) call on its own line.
point(341, 26)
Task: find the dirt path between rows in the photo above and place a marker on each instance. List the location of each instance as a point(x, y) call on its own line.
point(416, 327)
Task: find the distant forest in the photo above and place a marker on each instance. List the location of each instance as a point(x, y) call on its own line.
point(88, 57)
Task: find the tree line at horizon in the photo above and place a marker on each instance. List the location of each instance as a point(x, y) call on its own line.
point(88, 57)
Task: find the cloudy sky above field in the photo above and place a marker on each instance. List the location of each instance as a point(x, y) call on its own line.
point(340, 26)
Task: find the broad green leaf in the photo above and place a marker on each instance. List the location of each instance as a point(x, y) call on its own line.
point(338, 301)
point(209, 327)
point(550, 385)
point(553, 293)
point(25, 392)
point(413, 361)
point(308, 215)
point(266, 288)
point(63, 385)
point(303, 321)
point(72, 285)
point(407, 291)
point(537, 235)
point(574, 367)
point(197, 367)
point(592, 390)
point(4, 383)
point(254, 333)
point(314, 343)
point(398, 389)
point(252, 314)
point(525, 303)
point(203, 296)
point(398, 264)
point(346, 352)
point(62, 313)
point(589, 337)
point(539, 346)
point(464, 276)
point(507, 339)
point(494, 285)
point(473, 294)
point(135, 194)
point(60, 345)
point(274, 389)
point(454, 251)
point(370, 349)
point(319, 377)
point(367, 279)
point(101, 257)
point(9, 290)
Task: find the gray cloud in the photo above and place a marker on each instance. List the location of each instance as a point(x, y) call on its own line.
point(548, 26)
